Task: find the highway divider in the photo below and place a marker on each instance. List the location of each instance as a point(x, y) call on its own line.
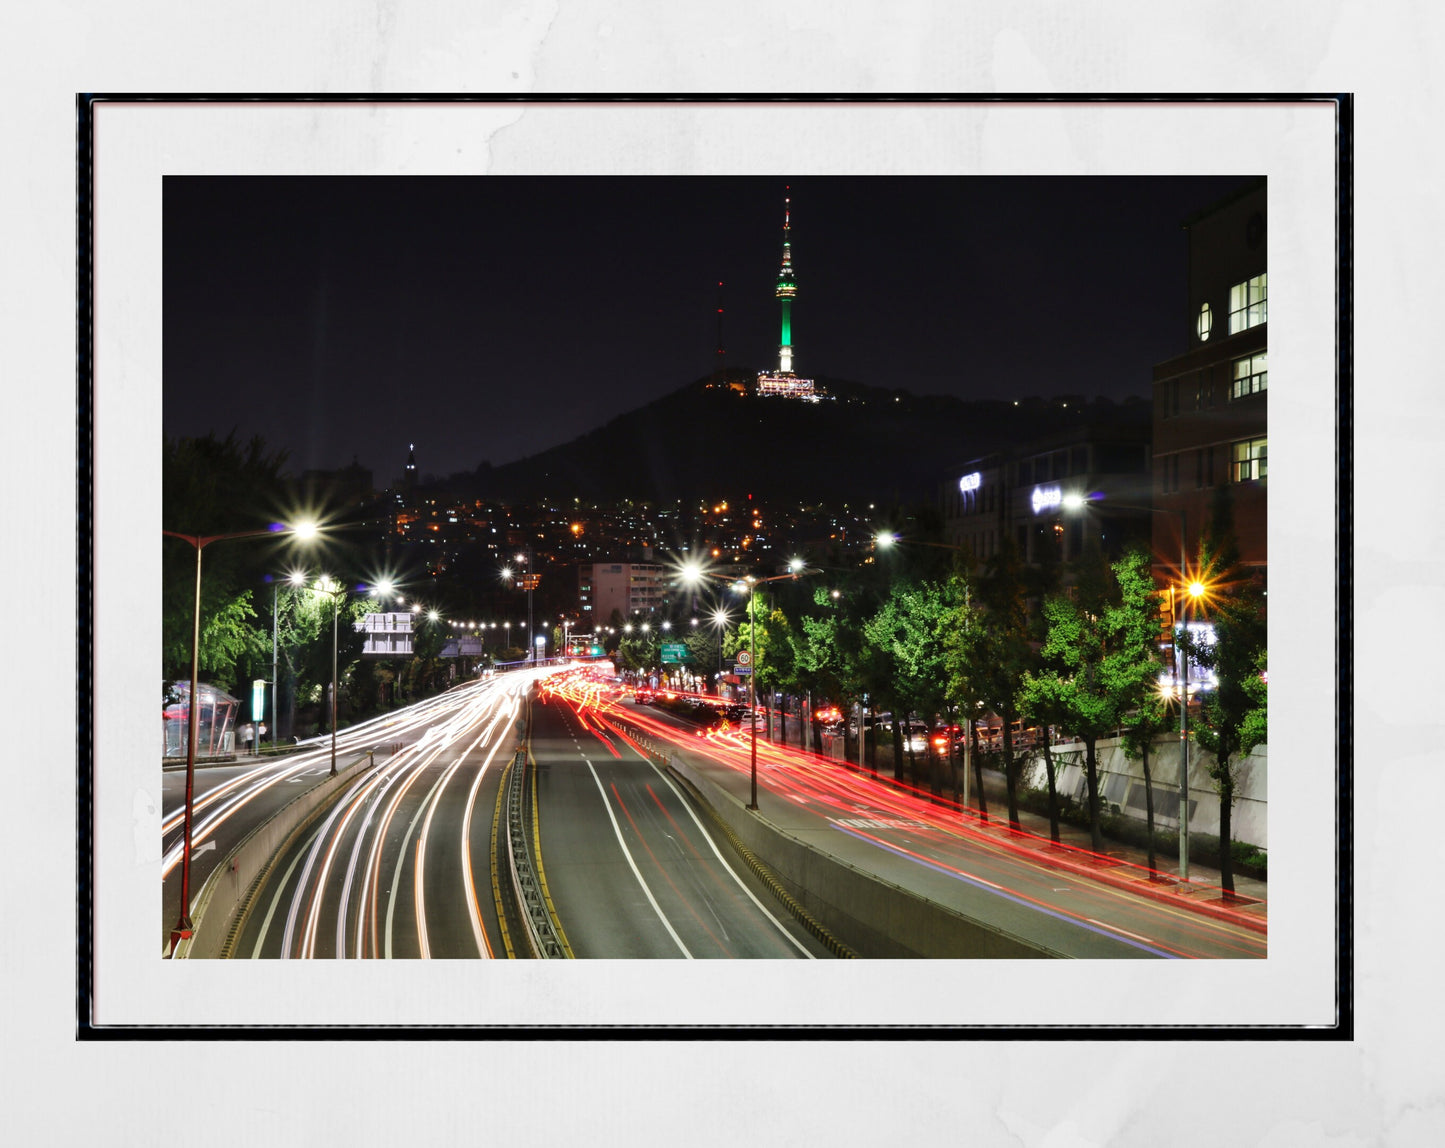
point(543, 936)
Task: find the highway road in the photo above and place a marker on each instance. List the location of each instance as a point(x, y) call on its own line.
point(1067, 901)
point(401, 865)
point(632, 867)
point(405, 863)
point(461, 734)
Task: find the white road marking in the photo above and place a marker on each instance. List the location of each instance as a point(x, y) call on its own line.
point(731, 871)
point(617, 831)
point(1116, 929)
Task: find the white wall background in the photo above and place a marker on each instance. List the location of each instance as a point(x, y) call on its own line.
point(1383, 1087)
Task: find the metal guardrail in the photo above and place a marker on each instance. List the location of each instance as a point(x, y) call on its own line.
point(542, 936)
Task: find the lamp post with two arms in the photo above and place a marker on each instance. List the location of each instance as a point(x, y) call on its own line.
point(748, 585)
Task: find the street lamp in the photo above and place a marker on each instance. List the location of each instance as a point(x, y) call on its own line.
point(184, 926)
point(720, 619)
point(748, 585)
point(1077, 502)
point(295, 578)
point(335, 591)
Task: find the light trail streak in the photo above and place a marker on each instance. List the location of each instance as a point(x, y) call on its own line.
point(1023, 899)
point(474, 909)
point(819, 784)
point(433, 803)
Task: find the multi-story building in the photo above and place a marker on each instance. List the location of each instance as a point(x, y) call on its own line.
point(388, 635)
point(627, 587)
point(1023, 492)
point(1211, 402)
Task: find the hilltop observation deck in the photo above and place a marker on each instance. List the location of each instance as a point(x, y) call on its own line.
point(789, 386)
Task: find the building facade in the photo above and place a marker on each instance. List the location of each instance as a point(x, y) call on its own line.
point(627, 587)
point(387, 635)
point(1027, 494)
point(1211, 403)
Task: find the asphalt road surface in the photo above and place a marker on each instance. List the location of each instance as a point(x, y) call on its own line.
point(1068, 901)
point(632, 868)
point(400, 865)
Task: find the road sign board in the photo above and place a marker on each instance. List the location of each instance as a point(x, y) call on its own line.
point(673, 652)
point(742, 669)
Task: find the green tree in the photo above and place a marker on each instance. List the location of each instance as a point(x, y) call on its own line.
point(216, 486)
point(966, 664)
point(640, 651)
point(1234, 715)
point(911, 630)
point(882, 672)
point(1073, 683)
point(771, 652)
point(825, 655)
point(1132, 667)
point(704, 650)
point(1003, 659)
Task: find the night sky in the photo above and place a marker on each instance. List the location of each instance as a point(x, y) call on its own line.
point(489, 318)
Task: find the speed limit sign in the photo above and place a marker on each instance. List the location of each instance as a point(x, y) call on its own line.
point(744, 658)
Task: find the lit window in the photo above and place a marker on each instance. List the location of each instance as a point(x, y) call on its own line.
point(1247, 304)
point(1206, 322)
point(1251, 375)
point(1251, 460)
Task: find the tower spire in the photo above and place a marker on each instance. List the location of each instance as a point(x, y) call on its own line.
point(785, 382)
point(787, 289)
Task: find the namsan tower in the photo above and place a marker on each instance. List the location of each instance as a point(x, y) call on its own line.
point(785, 383)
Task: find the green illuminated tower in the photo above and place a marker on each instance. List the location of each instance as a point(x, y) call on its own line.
point(787, 289)
point(785, 383)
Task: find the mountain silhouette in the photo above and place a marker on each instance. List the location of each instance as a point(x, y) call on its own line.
point(860, 442)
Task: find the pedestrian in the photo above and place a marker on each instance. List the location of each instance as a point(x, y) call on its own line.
point(248, 732)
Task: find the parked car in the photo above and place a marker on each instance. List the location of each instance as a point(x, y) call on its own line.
point(882, 722)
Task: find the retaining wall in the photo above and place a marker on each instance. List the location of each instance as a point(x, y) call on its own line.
point(221, 897)
point(873, 917)
point(1121, 783)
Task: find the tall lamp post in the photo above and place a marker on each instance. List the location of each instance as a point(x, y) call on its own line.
point(1189, 590)
point(335, 591)
point(749, 585)
point(295, 578)
point(184, 926)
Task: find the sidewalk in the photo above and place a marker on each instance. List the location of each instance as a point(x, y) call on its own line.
point(1204, 889)
point(1117, 863)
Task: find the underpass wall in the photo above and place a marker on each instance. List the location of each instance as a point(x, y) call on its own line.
point(1121, 783)
point(875, 918)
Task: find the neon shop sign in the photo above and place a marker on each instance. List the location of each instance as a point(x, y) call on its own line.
point(1047, 498)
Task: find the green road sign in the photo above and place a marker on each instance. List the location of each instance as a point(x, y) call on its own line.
point(673, 652)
